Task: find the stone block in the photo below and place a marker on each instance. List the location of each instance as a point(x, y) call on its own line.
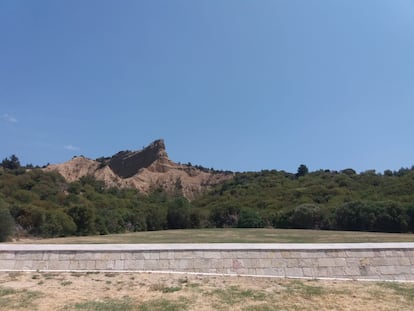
point(395, 253)
point(152, 255)
point(274, 271)
point(137, 265)
point(251, 263)
point(39, 265)
point(313, 254)
point(242, 254)
point(306, 262)
point(402, 269)
point(200, 263)
point(325, 262)
point(7, 255)
point(356, 253)
point(387, 270)
point(198, 254)
point(295, 254)
point(151, 264)
point(7, 264)
point(23, 264)
point(292, 263)
point(404, 261)
point(164, 264)
point(351, 271)
point(340, 262)
point(78, 265)
point(106, 256)
point(104, 265)
point(119, 264)
point(352, 261)
point(224, 255)
point(253, 271)
point(213, 254)
point(285, 254)
point(88, 265)
point(28, 255)
point(274, 254)
point(264, 263)
point(59, 265)
point(336, 253)
point(224, 263)
point(308, 272)
point(138, 256)
point(380, 261)
point(278, 263)
point(183, 254)
point(294, 272)
point(241, 271)
point(217, 263)
point(82, 256)
point(251, 255)
point(337, 272)
point(66, 256)
point(322, 272)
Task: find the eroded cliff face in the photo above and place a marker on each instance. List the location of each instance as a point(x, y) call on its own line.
point(147, 169)
point(126, 164)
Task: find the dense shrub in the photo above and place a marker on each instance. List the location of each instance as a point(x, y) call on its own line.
point(6, 223)
point(249, 218)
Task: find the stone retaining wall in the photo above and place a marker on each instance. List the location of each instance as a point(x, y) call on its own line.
point(369, 261)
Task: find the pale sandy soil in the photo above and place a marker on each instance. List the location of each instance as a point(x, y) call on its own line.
point(148, 291)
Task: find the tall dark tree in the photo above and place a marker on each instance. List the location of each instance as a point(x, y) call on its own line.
point(302, 170)
point(11, 163)
point(178, 215)
point(6, 222)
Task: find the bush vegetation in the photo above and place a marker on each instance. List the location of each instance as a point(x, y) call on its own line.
point(38, 203)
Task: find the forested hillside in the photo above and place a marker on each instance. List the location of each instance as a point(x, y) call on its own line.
point(323, 199)
point(38, 203)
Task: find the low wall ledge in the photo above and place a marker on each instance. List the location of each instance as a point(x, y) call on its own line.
point(5, 247)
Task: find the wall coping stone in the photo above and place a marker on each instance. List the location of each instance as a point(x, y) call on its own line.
point(200, 247)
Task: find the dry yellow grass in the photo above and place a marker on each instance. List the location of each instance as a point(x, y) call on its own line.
point(148, 291)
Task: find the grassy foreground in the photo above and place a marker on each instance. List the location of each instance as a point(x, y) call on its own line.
point(170, 292)
point(233, 235)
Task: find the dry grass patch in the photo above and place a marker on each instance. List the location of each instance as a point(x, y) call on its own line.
point(152, 291)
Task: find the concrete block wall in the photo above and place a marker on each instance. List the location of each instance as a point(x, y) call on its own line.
point(369, 261)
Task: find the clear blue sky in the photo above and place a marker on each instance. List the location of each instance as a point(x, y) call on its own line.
point(230, 84)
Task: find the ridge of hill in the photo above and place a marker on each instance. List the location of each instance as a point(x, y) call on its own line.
point(145, 170)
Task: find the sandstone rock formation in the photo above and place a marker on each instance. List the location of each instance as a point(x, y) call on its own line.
point(147, 169)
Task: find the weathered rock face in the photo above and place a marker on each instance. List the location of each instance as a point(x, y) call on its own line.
point(145, 170)
point(126, 164)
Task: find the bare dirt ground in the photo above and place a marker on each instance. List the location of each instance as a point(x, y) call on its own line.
point(152, 291)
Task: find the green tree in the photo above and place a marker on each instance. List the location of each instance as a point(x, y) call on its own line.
point(6, 222)
point(56, 223)
point(224, 216)
point(249, 218)
point(84, 218)
point(178, 215)
point(156, 217)
point(11, 163)
point(302, 171)
point(306, 216)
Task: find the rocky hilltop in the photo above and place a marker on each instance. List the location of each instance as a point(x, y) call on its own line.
point(147, 169)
